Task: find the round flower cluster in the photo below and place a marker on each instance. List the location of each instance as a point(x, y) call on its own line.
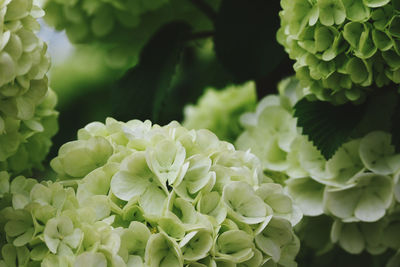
point(342, 48)
point(357, 187)
point(24, 144)
point(27, 116)
point(23, 60)
point(121, 27)
point(148, 196)
point(219, 111)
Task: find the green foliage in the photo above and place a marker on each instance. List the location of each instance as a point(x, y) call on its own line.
point(343, 49)
point(122, 28)
point(395, 128)
point(327, 126)
point(144, 88)
point(245, 50)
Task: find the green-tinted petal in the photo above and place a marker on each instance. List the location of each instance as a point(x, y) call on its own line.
point(273, 239)
point(153, 201)
point(243, 204)
point(161, 251)
point(235, 245)
point(90, 259)
point(166, 160)
point(331, 12)
point(375, 3)
point(196, 245)
point(126, 186)
point(377, 153)
point(356, 10)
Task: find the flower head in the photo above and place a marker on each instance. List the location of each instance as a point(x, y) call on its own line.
point(342, 48)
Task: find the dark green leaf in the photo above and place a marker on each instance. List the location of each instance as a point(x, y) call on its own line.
point(395, 129)
point(245, 38)
point(380, 106)
point(198, 70)
point(141, 93)
point(326, 125)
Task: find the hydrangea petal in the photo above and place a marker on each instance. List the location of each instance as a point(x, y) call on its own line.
point(161, 251)
point(243, 204)
point(90, 259)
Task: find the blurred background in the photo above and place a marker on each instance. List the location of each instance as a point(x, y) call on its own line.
point(89, 87)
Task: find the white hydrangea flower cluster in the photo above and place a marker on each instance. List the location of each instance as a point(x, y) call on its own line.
point(23, 60)
point(25, 143)
point(27, 116)
point(148, 196)
point(358, 187)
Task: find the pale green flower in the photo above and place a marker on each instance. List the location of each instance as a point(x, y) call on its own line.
point(90, 259)
point(342, 48)
point(78, 158)
point(20, 189)
point(359, 185)
point(366, 201)
point(144, 195)
point(307, 194)
point(234, 246)
point(277, 240)
point(375, 237)
point(273, 120)
point(163, 251)
point(23, 60)
point(60, 235)
point(219, 111)
point(378, 154)
point(20, 227)
point(243, 204)
point(133, 241)
point(24, 144)
point(14, 256)
point(167, 196)
point(27, 116)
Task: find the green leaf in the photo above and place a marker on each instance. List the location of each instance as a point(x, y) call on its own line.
point(243, 40)
point(380, 107)
point(144, 88)
point(326, 125)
